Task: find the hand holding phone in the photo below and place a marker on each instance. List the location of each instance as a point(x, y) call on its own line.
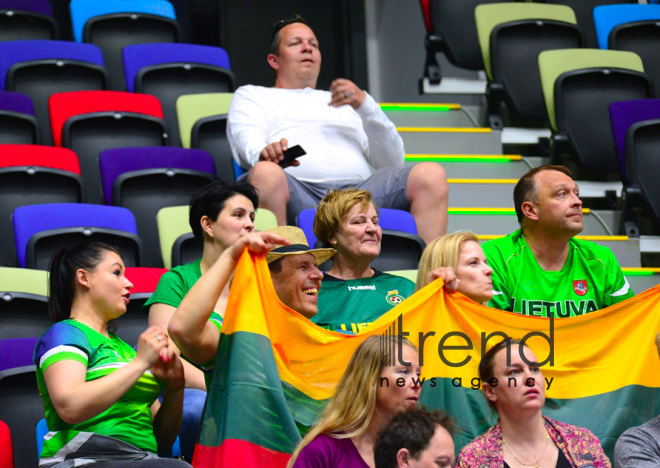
point(291, 154)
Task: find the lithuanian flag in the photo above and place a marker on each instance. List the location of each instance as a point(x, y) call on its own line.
point(275, 370)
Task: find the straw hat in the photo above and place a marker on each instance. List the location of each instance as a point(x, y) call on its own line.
point(298, 246)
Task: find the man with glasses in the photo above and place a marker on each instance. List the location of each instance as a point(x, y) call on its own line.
point(348, 140)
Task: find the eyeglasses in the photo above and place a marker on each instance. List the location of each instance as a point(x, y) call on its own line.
point(277, 27)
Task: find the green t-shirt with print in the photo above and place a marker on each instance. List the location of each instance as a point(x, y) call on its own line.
point(129, 419)
point(590, 280)
point(351, 305)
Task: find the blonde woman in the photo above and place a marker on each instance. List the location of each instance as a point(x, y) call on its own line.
point(365, 400)
point(458, 259)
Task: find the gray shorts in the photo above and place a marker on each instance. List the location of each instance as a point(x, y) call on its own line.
point(387, 185)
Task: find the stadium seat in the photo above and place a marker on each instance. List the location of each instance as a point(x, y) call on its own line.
point(18, 125)
point(26, 19)
point(170, 70)
point(40, 229)
point(578, 86)
point(43, 68)
point(24, 304)
point(114, 24)
point(177, 243)
point(6, 447)
point(135, 321)
point(511, 36)
point(401, 247)
point(584, 12)
point(17, 352)
point(643, 168)
point(29, 175)
point(146, 179)
point(451, 29)
point(89, 122)
point(203, 125)
point(623, 114)
point(21, 410)
point(633, 28)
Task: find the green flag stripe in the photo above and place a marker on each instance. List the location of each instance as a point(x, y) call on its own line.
point(247, 400)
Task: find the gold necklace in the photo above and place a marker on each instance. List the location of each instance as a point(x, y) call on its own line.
point(535, 464)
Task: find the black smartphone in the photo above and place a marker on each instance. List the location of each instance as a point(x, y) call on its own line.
point(291, 154)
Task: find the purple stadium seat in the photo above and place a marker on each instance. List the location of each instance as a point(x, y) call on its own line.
point(170, 70)
point(43, 68)
point(17, 352)
point(146, 179)
point(42, 7)
point(40, 229)
point(623, 115)
point(18, 125)
point(27, 19)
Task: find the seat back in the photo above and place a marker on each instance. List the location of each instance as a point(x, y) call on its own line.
point(27, 19)
point(454, 23)
point(146, 179)
point(24, 304)
point(21, 410)
point(114, 24)
point(203, 125)
point(43, 68)
point(399, 251)
point(578, 86)
point(168, 71)
point(30, 175)
point(40, 229)
point(623, 114)
point(584, 12)
point(511, 37)
point(643, 162)
point(17, 122)
point(633, 28)
point(90, 122)
point(135, 321)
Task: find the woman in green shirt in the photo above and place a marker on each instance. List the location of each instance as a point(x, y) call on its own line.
point(99, 394)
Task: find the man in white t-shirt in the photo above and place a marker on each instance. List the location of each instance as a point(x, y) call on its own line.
point(349, 141)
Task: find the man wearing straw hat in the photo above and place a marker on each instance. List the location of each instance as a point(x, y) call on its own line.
point(296, 279)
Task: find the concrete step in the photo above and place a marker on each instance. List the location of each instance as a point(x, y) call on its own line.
point(498, 193)
point(477, 165)
point(429, 115)
point(504, 221)
point(445, 140)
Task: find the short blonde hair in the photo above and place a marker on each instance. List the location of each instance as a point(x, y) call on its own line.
point(442, 252)
point(349, 411)
point(334, 208)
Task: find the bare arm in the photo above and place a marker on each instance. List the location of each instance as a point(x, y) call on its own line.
point(77, 400)
point(160, 316)
point(189, 327)
point(169, 414)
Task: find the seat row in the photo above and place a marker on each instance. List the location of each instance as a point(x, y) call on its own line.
point(40, 69)
point(111, 25)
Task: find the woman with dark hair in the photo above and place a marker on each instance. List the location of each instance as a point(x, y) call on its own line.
point(523, 436)
point(365, 400)
point(99, 394)
point(219, 214)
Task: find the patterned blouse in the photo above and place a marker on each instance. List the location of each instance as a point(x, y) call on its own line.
point(581, 447)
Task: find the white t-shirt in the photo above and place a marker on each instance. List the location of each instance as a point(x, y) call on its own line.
point(342, 144)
